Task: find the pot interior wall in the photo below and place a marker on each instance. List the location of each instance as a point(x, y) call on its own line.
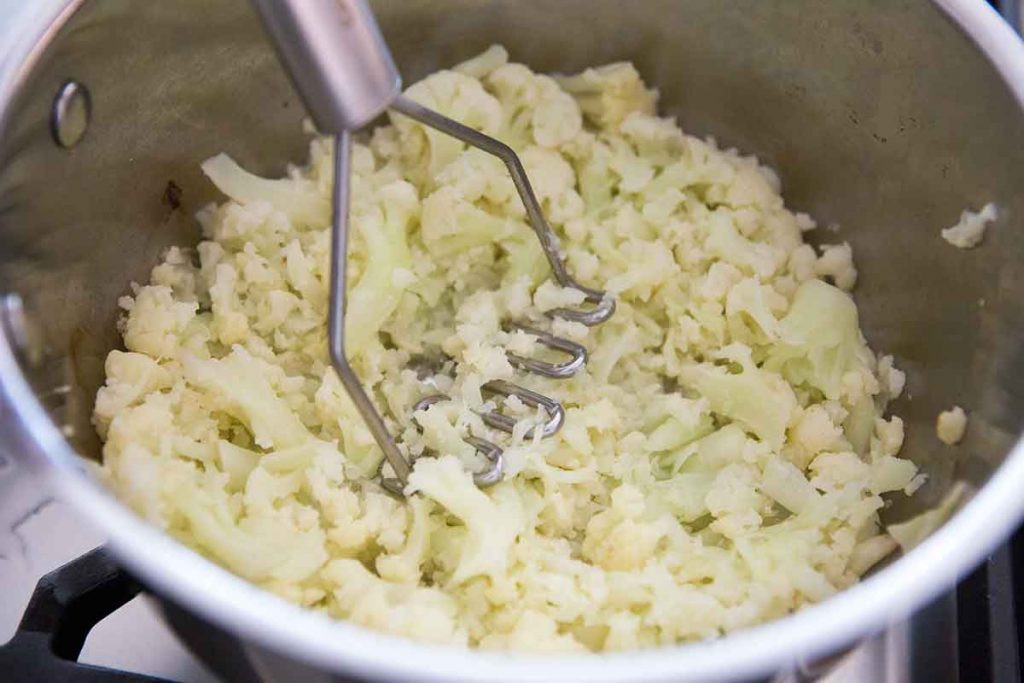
point(882, 119)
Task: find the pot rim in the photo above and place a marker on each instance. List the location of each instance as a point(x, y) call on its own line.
point(190, 580)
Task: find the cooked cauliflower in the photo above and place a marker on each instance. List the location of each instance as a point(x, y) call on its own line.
point(970, 229)
point(724, 453)
point(951, 425)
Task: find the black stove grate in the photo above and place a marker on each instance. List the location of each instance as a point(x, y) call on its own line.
point(66, 604)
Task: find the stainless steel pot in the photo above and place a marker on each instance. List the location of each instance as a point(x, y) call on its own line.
point(886, 118)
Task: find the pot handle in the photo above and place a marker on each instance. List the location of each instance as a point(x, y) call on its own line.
point(66, 604)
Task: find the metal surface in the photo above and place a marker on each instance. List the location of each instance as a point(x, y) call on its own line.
point(72, 108)
point(23, 333)
point(336, 316)
point(886, 119)
point(492, 452)
point(498, 420)
point(577, 354)
point(336, 58)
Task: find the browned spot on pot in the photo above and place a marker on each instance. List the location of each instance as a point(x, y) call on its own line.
point(172, 195)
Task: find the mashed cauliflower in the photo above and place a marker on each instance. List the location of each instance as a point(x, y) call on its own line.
point(724, 454)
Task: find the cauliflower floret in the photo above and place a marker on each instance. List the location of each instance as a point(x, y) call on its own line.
point(836, 262)
point(821, 339)
point(451, 224)
point(911, 532)
point(970, 229)
point(787, 484)
point(891, 378)
point(484, 63)
point(556, 119)
point(156, 322)
point(813, 432)
point(608, 94)
point(428, 151)
point(242, 386)
point(423, 613)
point(492, 525)
point(378, 292)
point(749, 313)
point(734, 501)
point(616, 539)
point(130, 376)
point(296, 197)
point(951, 425)
point(760, 401)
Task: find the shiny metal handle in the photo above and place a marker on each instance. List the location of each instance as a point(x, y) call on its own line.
point(336, 57)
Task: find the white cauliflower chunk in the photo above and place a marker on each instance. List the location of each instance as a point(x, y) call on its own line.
point(951, 425)
point(836, 262)
point(970, 229)
point(725, 451)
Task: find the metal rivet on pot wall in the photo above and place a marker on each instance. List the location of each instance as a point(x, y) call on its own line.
point(69, 119)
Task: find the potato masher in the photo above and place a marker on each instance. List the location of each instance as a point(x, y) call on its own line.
point(344, 72)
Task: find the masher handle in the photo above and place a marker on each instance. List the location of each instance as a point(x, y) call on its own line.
point(336, 57)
